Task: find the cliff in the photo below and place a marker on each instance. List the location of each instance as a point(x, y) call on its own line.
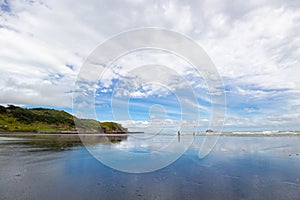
point(17, 119)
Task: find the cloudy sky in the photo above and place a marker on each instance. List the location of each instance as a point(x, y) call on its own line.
point(255, 46)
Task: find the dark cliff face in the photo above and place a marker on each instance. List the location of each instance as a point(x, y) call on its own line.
point(14, 118)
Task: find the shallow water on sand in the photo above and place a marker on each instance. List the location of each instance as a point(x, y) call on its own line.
point(237, 168)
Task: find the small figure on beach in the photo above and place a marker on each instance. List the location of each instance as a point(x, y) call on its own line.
point(178, 132)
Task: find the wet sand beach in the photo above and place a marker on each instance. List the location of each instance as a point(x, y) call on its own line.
point(253, 167)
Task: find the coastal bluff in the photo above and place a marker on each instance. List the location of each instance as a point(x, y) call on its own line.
point(42, 120)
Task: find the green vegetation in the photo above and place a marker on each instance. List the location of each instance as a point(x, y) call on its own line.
point(17, 119)
point(111, 127)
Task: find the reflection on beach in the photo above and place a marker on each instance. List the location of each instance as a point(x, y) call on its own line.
point(59, 142)
point(237, 168)
point(102, 139)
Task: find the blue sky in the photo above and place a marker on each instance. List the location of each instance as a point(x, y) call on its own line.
point(255, 46)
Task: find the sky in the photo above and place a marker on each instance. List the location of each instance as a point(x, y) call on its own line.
point(254, 45)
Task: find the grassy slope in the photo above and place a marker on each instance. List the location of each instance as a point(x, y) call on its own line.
point(13, 118)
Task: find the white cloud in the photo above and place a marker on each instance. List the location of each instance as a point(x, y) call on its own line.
point(255, 46)
point(273, 122)
point(167, 125)
point(258, 54)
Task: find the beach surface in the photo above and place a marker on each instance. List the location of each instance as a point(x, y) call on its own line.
point(239, 167)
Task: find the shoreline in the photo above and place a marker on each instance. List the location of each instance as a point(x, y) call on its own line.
point(248, 134)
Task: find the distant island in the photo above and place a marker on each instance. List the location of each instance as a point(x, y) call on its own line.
point(39, 120)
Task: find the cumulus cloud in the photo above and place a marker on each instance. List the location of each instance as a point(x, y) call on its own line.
point(255, 46)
